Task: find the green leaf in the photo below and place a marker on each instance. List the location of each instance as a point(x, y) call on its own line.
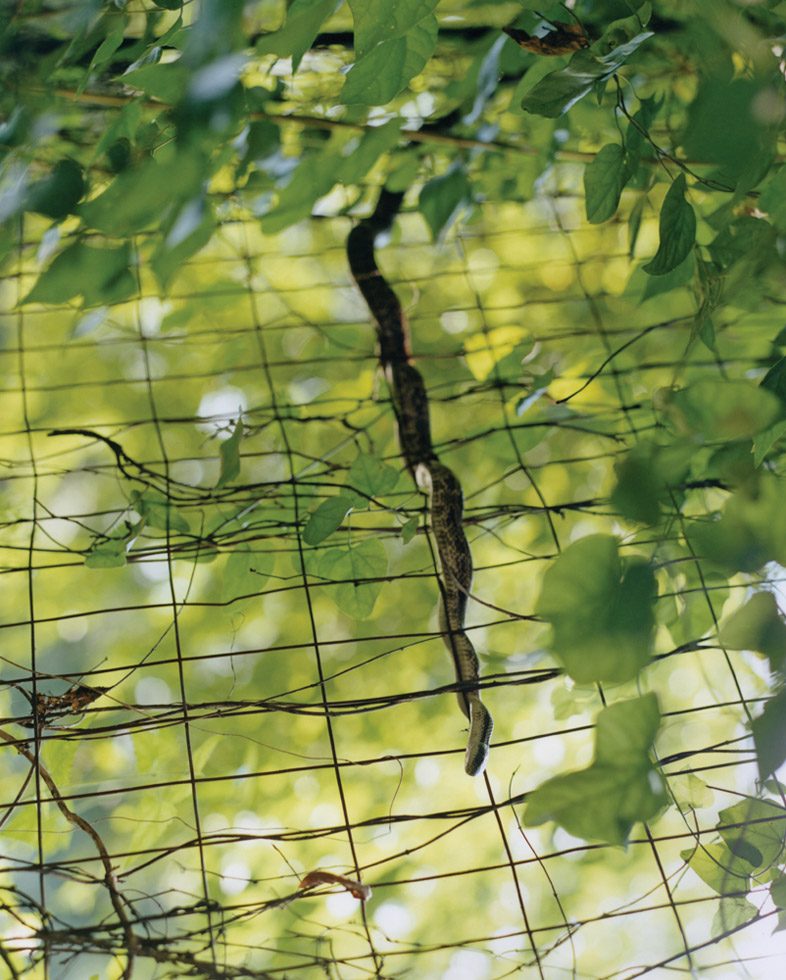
point(371, 476)
point(138, 197)
point(367, 560)
point(99, 275)
point(742, 139)
point(376, 141)
point(719, 867)
point(775, 379)
point(313, 178)
point(625, 732)
point(601, 610)
point(110, 44)
point(751, 529)
point(108, 554)
point(245, 572)
point(304, 19)
point(769, 735)
point(604, 179)
point(645, 477)
point(764, 442)
point(377, 21)
point(681, 276)
point(761, 832)
point(713, 410)
point(326, 518)
point(778, 892)
point(677, 227)
point(442, 198)
point(167, 82)
point(757, 626)
point(230, 456)
point(409, 530)
point(379, 76)
point(619, 788)
point(635, 141)
point(158, 512)
point(187, 231)
point(773, 199)
point(58, 194)
point(731, 914)
point(111, 552)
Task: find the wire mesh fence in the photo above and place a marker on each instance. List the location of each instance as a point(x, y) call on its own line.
point(200, 708)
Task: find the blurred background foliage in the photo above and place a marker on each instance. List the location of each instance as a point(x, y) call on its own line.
point(221, 665)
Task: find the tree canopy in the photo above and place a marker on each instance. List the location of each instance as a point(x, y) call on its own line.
point(229, 723)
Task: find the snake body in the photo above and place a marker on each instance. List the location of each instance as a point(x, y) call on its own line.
point(411, 407)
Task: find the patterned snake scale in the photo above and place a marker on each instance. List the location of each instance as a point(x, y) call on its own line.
point(410, 403)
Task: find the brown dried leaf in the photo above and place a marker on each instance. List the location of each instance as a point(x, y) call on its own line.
point(562, 40)
point(354, 887)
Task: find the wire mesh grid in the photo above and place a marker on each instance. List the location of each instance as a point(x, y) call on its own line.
point(190, 733)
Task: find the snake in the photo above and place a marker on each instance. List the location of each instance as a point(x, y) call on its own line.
point(410, 404)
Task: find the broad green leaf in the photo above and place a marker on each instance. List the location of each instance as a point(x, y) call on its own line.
point(230, 456)
point(138, 197)
point(761, 835)
point(107, 554)
point(603, 183)
point(769, 735)
point(158, 512)
point(619, 788)
point(110, 44)
point(313, 178)
point(645, 477)
point(778, 892)
point(690, 793)
point(683, 275)
point(677, 228)
point(123, 127)
point(370, 476)
point(245, 572)
point(111, 552)
point(376, 141)
point(99, 275)
point(773, 199)
point(765, 441)
point(625, 732)
point(377, 21)
point(731, 914)
point(166, 82)
point(775, 379)
point(742, 139)
point(719, 867)
point(751, 530)
point(442, 198)
point(56, 195)
point(304, 19)
point(326, 518)
point(366, 560)
point(601, 611)
point(719, 411)
point(188, 230)
point(636, 144)
point(757, 626)
point(379, 76)
point(561, 89)
point(409, 530)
